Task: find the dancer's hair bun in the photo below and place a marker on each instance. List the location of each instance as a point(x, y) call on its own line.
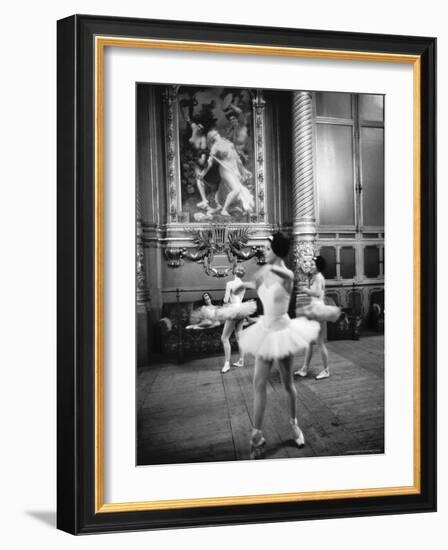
point(320, 263)
point(280, 244)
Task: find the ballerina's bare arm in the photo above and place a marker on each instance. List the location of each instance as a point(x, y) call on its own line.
point(245, 285)
point(255, 283)
point(282, 272)
point(285, 275)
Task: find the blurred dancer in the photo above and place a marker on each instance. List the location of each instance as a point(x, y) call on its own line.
point(275, 337)
point(317, 310)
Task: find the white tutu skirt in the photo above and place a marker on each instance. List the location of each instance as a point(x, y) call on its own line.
point(223, 313)
point(276, 337)
point(229, 312)
point(319, 311)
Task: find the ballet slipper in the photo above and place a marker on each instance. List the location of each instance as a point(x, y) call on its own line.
point(239, 363)
point(299, 438)
point(302, 372)
point(322, 375)
point(225, 368)
point(257, 442)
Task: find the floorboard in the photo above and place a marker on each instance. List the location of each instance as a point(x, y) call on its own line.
point(191, 412)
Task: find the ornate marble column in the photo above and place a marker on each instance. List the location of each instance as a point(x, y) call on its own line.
point(172, 153)
point(303, 194)
point(260, 196)
point(142, 292)
point(141, 283)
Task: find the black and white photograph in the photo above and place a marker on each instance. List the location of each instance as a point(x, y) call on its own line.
point(260, 299)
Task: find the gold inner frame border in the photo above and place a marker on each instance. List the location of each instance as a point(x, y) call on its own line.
point(101, 42)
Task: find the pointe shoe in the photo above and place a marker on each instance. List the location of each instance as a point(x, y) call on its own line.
point(302, 372)
point(299, 438)
point(239, 363)
point(257, 442)
point(225, 368)
point(324, 374)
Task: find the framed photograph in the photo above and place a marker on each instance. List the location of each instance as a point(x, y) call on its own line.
point(246, 274)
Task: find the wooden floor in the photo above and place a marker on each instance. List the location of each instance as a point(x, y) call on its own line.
point(193, 413)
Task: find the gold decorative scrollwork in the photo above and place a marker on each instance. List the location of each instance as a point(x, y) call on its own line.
point(217, 239)
point(174, 256)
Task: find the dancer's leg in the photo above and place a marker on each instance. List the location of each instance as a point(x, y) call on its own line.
point(325, 373)
point(204, 324)
point(306, 362)
point(285, 366)
point(238, 329)
point(225, 339)
point(261, 374)
point(286, 374)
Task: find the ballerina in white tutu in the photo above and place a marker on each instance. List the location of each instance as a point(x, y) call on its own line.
point(275, 337)
point(234, 298)
point(318, 311)
point(210, 316)
point(205, 316)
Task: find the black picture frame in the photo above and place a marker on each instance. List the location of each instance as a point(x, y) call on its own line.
point(76, 512)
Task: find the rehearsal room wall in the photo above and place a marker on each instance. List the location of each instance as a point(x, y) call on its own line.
point(187, 282)
point(28, 278)
point(278, 147)
point(192, 280)
point(163, 281)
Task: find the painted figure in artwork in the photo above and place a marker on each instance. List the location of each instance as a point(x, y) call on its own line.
point(216, 185)
point(232, 172)
point(237, 131)
point(199, 142)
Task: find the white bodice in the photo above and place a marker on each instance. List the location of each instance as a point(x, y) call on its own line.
point(276, 335)
point(318, 285)
point(237, 297)
point(275, 299)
